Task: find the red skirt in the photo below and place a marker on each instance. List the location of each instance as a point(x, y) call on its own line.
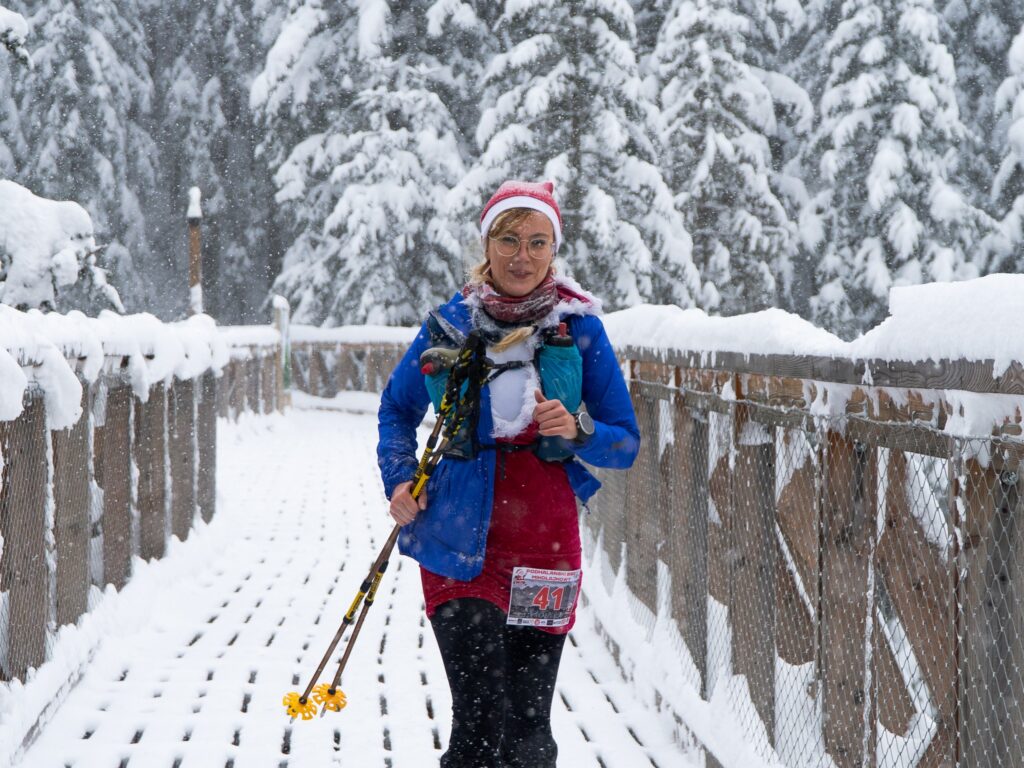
point(534, 524)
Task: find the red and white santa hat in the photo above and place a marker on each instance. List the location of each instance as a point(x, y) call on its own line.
point(523, 194)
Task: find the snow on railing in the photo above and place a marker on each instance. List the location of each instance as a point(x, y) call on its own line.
point(817, 538)
point(108, 442)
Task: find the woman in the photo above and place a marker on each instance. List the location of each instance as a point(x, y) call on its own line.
point(496, 531)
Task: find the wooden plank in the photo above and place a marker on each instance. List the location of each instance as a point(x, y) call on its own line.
point(720, 509)
point(181, 448)
point(150, 447)
point(238, 371)
point(848, 524)
point(268, 390)
point(992, 655)
point(253, 384)
point(117, 486)
point(752, 610)
point(901, 437)
point(895, 706)
point(24, 574)
point(686, 460)
point(797, 504)
point(795, 635)
point(917, 577)
point(71, 497)
point(642, 531)
point(967, 375)
point(206, 435)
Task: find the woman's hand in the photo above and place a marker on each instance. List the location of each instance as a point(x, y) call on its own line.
point(404, 507)
point(552, 417)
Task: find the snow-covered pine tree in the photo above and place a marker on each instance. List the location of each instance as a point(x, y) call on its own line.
point(12, 36)
point(978, 34)
point(886, 212)
point(364, 153)
point(563, 101)
point(205, 57)
point(462, 42)
point(80, 109)
point(719, 114)
point(1008, 187)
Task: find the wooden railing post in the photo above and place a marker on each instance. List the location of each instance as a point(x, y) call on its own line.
point(753, 563)
point(116, 440)
point(642, 532)
point(23, 569)
point(151, 460)
point(848, 534)
point(206, 435)
point(182, 448)
point(283, 370)
point(687, 459)
point(71, 497)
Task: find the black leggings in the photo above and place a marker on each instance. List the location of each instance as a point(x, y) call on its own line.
point(502, 681)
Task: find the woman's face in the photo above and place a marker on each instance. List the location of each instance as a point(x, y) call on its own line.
point(520, 273)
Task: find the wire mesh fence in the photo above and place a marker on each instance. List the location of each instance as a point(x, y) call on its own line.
point(78, 504)
point(846, 587)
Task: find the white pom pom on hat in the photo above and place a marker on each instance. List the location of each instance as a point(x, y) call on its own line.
point(537, 196)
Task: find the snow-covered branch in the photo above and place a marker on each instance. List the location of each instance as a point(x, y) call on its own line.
point(13, 31)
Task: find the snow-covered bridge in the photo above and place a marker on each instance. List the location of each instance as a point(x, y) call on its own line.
point(814, 561)
point(201, 646)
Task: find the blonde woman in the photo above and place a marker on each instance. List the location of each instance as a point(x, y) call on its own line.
point(496, 532)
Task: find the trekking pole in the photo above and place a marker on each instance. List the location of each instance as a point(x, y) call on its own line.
point(450, 419)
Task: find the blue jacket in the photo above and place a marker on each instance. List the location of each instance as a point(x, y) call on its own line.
point(449, 537)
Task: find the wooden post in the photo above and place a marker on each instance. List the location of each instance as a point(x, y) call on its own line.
point(797, 517)
point(181, 418)
point(753, 565)
point(688, 535)
point(71, 463)
point(848, 533)
point(282, 316)
point(992, 661)
point(641, 524)
point(117, 486)
point(195, 253)
point(151, 460)
point(23, 570)
point(253, 383)
point(206, 434)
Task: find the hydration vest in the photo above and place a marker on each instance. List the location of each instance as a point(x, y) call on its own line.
point(559, 366)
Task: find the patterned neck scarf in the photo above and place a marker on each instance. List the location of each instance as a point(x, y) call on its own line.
point(516, 310)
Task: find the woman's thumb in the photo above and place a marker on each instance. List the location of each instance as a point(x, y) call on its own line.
point(539, 396)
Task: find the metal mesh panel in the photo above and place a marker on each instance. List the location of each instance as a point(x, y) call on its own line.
point(846, 591)
point(26, 528)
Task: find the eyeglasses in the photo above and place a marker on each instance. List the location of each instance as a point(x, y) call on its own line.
point(509, 245)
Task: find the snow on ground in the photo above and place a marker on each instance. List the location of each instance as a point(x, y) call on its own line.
point(199, 649)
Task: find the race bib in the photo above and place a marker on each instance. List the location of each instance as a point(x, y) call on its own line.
point(542, 598)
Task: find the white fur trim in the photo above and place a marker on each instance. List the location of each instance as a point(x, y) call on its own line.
point(522, 395)
point(521, 201)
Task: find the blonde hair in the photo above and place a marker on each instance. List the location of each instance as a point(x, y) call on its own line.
point(480, 272)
